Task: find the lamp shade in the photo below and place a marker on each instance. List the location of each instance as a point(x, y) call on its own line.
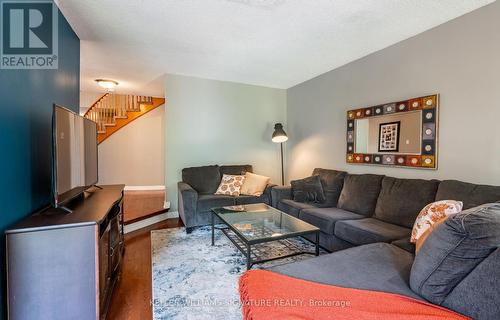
point(279, 135)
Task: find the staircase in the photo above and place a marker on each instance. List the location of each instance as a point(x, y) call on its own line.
point(112, 111)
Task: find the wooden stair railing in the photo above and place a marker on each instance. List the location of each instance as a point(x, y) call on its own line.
point(112, 111)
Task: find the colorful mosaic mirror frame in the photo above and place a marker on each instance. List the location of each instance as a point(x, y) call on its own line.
point(427, 159)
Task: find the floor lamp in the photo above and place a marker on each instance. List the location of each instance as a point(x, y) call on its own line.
point(279, 136)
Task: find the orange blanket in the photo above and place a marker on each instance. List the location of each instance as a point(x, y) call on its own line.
point(268, 295)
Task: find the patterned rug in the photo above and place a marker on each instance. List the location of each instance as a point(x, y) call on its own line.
point(194, 280)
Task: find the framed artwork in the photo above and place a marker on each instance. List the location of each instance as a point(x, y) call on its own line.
point(388, 137)
point(391, 124)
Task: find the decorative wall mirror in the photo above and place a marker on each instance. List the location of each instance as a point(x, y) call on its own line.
point(401, 134)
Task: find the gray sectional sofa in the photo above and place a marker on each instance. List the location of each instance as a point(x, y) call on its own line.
point(367, 208)
point(196, 193)
point(458, 266)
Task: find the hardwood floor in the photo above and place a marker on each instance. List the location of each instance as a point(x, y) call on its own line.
point(132, 295)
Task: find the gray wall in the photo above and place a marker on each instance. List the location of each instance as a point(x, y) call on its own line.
point(217, 122)
point(460, 60)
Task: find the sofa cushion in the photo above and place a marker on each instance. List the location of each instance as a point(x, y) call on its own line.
point(477, 295)
point(332, 181)
point(209, 201)
point(401, 200)
point(325, 218)
point(360, 193)
point(377, 266)
point(205, 180)
point(405, 244)
point(293, 207)
point(308, 190)
point(242, 199)
point(454, 249)
point(472, 195)
point(236, 169)
point(369, 230)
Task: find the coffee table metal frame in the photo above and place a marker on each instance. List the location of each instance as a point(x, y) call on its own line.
point(245, 246)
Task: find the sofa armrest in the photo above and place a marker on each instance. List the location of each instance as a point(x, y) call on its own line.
point(279, 193)
point(269, 188)
point(187, 202)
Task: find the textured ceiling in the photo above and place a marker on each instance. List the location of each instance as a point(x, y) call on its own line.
point(275, 43)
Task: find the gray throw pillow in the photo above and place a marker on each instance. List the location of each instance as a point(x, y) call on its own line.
point(453, 250)
point(332, 182)
point(308, 190)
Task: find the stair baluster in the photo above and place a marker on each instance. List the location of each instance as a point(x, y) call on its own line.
point(112, 111)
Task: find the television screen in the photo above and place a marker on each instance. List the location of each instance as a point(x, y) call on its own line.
point(74, 155)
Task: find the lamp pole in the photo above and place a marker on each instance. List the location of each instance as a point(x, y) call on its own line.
point(282, 167)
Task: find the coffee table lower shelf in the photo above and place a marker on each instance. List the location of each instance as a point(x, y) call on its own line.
point(254, 253)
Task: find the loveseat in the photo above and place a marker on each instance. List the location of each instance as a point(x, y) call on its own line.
point(196, 191)
point(366, 208)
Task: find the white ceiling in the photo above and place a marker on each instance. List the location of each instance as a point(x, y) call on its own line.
point(274, 43)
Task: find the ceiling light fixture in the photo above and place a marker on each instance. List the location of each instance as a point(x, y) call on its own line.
point(107, 84)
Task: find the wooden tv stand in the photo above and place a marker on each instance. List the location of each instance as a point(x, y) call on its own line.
point(65, 265)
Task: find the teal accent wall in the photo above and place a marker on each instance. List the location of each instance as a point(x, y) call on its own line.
point(26, 99)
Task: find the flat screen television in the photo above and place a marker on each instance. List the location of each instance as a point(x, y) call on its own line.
point(74, 159)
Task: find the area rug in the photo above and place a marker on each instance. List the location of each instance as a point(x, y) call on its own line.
point(194, 280)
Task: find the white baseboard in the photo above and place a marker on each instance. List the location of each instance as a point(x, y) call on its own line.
point(166, 204)
point(144, 188)
point(150, 221)
point(172, 214)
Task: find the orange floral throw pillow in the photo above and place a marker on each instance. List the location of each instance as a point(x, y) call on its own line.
point(430, 217)
point(230, 185)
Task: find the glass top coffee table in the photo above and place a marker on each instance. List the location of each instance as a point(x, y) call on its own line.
point(247, 226)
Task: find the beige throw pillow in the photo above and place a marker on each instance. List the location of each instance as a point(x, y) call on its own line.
point(230, 185)
point(254, 184)
point(430, 217)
